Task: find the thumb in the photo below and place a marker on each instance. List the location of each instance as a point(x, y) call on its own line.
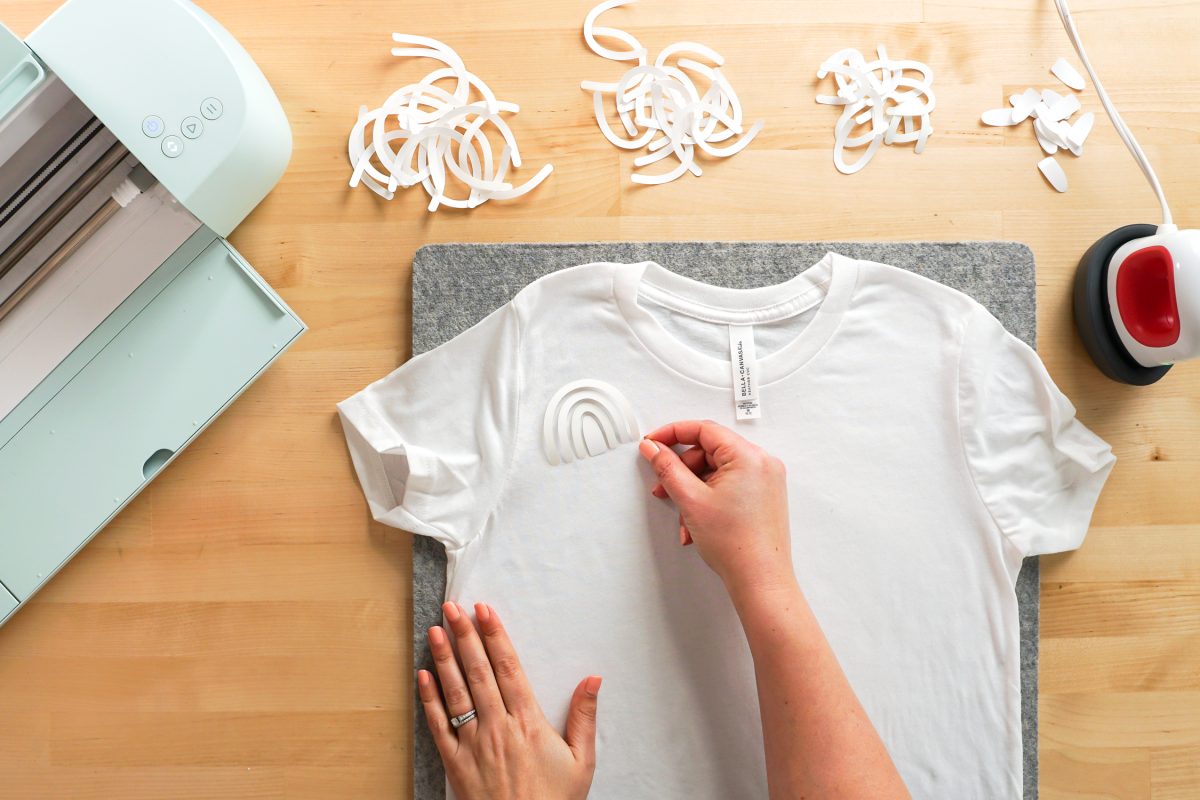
point(581, 720)
point(679, 482)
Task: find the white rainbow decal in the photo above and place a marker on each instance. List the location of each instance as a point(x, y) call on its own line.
point(586, 418)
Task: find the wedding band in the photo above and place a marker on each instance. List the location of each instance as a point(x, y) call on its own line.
point(462, 719)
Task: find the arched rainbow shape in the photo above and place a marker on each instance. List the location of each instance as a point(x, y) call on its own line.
point(563, 429)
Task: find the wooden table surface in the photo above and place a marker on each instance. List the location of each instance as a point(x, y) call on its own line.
point(242, 630)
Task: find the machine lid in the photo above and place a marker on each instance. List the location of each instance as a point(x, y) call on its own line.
point(180, 93)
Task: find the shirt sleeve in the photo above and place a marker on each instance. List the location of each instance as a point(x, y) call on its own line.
point(431, 442)
point(1038, 469)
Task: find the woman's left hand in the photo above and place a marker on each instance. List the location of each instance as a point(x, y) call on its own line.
point(509, 750)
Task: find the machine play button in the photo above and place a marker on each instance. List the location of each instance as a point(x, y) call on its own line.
point(192, 127)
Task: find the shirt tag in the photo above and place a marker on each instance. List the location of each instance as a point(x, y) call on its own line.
point(745, 372)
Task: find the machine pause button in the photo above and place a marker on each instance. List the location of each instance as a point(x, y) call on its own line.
point(212, 108)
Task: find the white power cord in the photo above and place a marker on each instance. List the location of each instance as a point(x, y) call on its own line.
point(1122, 129)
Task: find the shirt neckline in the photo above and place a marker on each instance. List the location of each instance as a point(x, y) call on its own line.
point(827, 285)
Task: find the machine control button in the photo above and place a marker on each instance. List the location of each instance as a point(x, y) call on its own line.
point(172, 147)
point(212, 108)
point(153, 126)
point(192, 127)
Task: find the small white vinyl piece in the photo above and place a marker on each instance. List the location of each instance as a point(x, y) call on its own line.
point(1045, 137)
point(892, 97)
point(1080, 130)
point(1065, 107)
point(1051, 114)
point(441, 136)
point(1066, 73)
point(1000, 117)
point(1024, 103)
point(1053, 172)
point(680, 107)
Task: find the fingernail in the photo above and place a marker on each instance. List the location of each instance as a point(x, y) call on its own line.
point(451, 612)
point(648, 449)
point(437, 637)
point(422, 678)
point(483, 613)
point(592, 685)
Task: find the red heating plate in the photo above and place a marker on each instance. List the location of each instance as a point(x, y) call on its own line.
point(1146, 296)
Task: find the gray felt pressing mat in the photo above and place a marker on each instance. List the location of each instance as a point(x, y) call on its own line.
point(456, 285)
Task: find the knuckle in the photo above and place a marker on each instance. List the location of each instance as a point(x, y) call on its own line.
point(479, 673)
point(507, 667)
point(530, 729)
point(587, 711)
point(457, 696)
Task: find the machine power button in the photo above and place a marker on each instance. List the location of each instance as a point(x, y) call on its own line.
point(153, 126)
point(212, 108)
point(172, 147)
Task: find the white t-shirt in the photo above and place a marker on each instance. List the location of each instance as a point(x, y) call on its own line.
point(928, 452)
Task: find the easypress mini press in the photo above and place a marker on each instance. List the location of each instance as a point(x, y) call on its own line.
point(1137, 290)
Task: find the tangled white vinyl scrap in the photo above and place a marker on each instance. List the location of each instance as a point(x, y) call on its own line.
point(445, 133)
point(893, 97)
point(672, 108)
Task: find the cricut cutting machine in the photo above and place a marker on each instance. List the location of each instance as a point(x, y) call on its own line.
point(134, 136)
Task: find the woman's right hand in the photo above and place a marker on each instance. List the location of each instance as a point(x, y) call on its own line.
point(732, 501)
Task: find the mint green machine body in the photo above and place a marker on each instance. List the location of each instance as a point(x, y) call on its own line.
point(119, 404)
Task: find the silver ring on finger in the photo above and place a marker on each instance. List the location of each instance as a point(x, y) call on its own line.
point(462, 719)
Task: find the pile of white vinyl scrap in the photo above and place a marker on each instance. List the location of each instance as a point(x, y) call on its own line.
point(892, 97)
point(680, 106)
point(1051, 113)
point(443, 128)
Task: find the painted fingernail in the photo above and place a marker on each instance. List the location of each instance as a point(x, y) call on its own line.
point(483, 613)
point(592, 685)
point(451, 612)
point(422, 678)
point(437, 637)
point(648, 449)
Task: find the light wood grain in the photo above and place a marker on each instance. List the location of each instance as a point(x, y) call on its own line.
point(242, 630)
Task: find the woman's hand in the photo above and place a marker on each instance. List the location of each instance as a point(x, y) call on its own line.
point(732, 501)
point(509, 751)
